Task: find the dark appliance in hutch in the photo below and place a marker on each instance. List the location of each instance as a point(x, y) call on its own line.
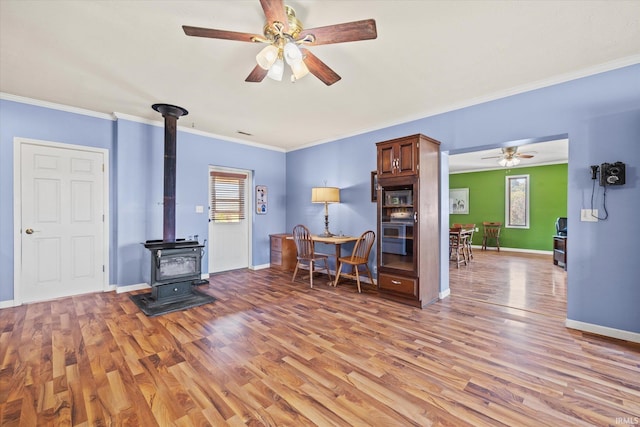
point(408, 250)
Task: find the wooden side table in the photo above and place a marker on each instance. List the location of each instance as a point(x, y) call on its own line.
point(283, 252)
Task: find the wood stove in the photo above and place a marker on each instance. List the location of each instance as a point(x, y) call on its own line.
point(175, 268)
point(175, 264)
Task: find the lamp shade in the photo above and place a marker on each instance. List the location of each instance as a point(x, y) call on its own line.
point(292, 53)
point(325, 194)
point(267, 57)
point(299, 70)
point(277, 70)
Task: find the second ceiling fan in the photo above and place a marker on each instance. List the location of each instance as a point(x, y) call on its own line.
point(283, 34)
point(511, 157)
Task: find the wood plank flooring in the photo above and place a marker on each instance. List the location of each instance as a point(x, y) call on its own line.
point(270, 352)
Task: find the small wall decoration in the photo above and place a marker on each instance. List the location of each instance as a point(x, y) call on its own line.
point(459, 201)
point(261, 199)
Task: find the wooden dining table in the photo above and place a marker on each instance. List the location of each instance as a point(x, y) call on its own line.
point(463, 235)
point(337, 241)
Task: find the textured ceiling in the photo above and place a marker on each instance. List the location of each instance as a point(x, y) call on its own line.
point(429, 57)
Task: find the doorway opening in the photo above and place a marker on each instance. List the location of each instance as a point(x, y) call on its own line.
point(522, 274)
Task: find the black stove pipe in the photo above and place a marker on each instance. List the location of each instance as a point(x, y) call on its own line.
point(171, 113)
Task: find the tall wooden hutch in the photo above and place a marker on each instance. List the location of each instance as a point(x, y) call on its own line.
point(408, 244)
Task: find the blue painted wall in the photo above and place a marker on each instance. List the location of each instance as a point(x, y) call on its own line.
point(601, 116)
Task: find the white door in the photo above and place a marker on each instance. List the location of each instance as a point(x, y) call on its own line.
point(229, 237)
point(62, 215)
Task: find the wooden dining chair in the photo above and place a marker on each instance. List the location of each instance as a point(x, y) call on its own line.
point(469, 229)
point(457, 246)
point(306, 254)
point(491, 230)
point(358, 258)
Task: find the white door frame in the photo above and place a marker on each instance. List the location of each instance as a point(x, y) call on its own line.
point(248, 206)
point(17, 204)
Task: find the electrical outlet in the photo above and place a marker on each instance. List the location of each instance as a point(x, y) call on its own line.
point(589, 215)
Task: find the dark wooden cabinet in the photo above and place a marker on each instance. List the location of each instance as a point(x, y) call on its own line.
point(560, 250)
point(398, 157)
point(283, 252)
point(408, 244)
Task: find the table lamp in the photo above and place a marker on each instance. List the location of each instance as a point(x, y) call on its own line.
point(325, 195)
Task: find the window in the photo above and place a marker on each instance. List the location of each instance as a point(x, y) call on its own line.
point(227, 197)
point(517, 201)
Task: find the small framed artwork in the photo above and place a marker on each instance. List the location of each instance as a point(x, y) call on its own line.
point(261, 199)
point(374, 186)
point(459, 201)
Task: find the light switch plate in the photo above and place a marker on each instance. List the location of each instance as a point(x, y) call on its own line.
point(589, 215)
point(199, 209)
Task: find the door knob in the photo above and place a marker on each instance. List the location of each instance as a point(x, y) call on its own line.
point(29, 231)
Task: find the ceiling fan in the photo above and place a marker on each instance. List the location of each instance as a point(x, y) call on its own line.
point(283, 34)
point(510, 156)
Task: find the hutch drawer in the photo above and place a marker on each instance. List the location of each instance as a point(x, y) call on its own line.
point(398, 284)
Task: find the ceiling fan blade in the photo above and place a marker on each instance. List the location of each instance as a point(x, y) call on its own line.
point(257, 75)
point(341, 33)
point(491, 157)
point(319, 68)
point(524, 156)
point(219, 34)
point(274, 11)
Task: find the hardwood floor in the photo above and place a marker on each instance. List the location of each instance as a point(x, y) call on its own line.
point(271, 352)
point(518, 280)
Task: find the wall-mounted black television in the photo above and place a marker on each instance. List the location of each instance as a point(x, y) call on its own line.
point(561, 226)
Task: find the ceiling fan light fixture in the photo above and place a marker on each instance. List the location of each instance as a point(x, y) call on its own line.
point(283, 31)
point(514, 161)
point(277, 70)
point(267, 57)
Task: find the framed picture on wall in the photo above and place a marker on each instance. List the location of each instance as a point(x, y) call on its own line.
point(261, 199)
point(374, 186)
point(459, 201)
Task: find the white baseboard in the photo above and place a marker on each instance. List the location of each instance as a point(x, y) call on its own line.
point(8, 303)
point(502, 248)
point(444, 294)
point(259, 267)
point(603, 330)
point(130, 288)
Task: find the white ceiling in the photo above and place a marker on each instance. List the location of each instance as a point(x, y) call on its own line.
point(429, 57)
point(544, 153)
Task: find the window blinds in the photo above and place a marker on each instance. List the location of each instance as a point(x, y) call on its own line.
point(227, 196)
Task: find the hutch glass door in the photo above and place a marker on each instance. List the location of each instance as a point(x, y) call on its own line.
point(397, 226)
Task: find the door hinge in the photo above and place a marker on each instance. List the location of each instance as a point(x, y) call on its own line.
point(103, 167)
point(103, 268)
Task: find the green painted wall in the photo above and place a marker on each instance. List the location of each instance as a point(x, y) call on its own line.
point(547, 198)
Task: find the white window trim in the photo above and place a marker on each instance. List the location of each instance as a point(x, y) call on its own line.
point(507, 187)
